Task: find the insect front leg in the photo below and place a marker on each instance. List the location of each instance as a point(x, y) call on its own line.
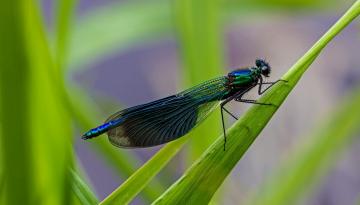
point(238, 98)
point(260, 91)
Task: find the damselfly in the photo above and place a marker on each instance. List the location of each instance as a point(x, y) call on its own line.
point(167, 119)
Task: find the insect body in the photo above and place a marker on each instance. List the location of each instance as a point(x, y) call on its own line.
point(169, 118)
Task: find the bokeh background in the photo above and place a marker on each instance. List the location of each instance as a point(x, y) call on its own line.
point(108, 55)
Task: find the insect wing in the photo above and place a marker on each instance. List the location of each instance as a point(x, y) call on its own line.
point(166, 119)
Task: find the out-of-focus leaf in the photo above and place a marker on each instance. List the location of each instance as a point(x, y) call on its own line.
point(314, 160)
point(35, 125)
point(14, 112)
point(200, 182)
point(198, 26)
point(82, 191)
point(115, 27)
point(65, 13)
point(49, 120)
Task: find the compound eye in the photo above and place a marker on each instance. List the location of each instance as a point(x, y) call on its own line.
point(265, 70)
point(259, 63)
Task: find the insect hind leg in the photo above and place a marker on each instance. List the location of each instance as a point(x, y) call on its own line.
point(222, 108)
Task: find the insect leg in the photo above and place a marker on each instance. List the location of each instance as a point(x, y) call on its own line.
point(230, 113)
point(226, 101)
point(223, 124)
point(222, 116)
point(260, 92)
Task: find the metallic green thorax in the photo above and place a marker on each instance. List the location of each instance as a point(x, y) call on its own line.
point(243, 77)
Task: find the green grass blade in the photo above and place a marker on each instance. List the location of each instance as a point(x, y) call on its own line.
point(199, 31)
point(42, 127)
point(65, 12)
point(116, 27)
point(313, 161)
point(14, 114)
point(82, 191)
point(200, 182)
point(50, 123)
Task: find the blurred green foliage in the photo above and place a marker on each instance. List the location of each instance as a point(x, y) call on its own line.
point(117, 27)
point(37, 107)
point(36, 127)
point(16, 164)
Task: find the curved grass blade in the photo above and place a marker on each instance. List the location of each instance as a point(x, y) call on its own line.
point(64, 18)
point(200, 182)
point(47, 146)
point(50, 125)
point(16, 165)
point(314, 161)
point(82, 191)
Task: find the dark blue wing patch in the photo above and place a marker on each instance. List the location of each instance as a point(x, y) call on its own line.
point(156, 124)
point(166, 119)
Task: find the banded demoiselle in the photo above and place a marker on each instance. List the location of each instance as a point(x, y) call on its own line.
point(169, 118)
